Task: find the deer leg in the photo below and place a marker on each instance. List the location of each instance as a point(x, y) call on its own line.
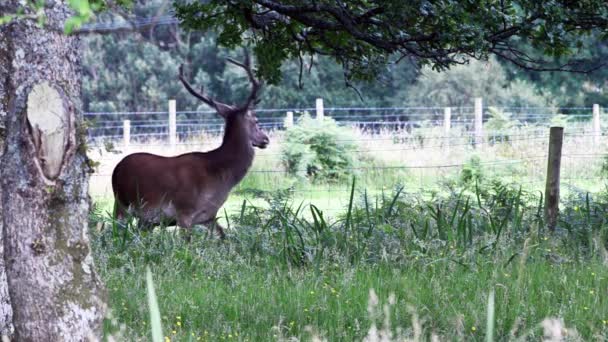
point(211, 224)
point(145, 225)
point(186, 222)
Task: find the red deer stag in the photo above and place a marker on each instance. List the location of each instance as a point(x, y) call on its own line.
point(189, 189)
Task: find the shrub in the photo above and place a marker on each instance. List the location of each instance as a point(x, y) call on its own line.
point(320, 151)
point(472, 171)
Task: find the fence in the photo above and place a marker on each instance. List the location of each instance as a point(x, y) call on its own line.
point(418, 147)
point(173, 125)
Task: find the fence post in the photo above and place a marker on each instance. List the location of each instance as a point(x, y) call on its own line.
point(597, 130)
point(172, 124)
point(556, 137)
point(447, 118)
point(320, 111)
point(126, 133)
point(478, 123)
point(289, 120)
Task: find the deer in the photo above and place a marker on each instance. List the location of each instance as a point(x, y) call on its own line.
point(190, 188)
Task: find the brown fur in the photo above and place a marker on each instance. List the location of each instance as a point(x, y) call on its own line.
point(190, 188)
point(193, 185)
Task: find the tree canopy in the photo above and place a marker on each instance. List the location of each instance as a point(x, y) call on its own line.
point(363, 36)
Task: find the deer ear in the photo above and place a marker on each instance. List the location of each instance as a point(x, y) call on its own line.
point(223, 109)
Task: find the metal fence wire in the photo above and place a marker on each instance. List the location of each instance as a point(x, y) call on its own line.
point(420, 148)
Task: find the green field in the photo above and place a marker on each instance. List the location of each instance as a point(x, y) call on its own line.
point(432, 263)
point(411, 252)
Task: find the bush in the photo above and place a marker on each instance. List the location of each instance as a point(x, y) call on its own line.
point(320, 151)
point(472, 171)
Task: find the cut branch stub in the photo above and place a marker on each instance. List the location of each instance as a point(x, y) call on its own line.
point(48, 116)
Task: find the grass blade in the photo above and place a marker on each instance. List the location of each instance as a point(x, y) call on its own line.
point(393, 202)
point(490, 318)
point(350, 205)
point(155, 323)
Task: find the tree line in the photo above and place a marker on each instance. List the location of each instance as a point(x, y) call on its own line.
point(134, 72)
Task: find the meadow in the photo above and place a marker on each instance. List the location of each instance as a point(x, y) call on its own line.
point(429, 238)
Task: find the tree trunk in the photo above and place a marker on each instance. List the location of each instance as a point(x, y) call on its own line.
point(6, 312)
point(54, 291)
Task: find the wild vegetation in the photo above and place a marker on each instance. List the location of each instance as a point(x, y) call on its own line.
point(319, 151)
point(139, 73)
point(291, 270)
point(385, 252)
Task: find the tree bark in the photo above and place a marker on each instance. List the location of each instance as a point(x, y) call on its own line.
point(6, 312)
point(54, 290)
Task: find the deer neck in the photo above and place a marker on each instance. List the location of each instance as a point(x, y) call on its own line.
point(235, 154)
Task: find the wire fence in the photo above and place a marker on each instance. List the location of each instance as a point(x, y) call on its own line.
point(147, 125)
point(414, 147)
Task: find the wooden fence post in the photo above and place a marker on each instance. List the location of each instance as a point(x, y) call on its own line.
point(320, 110)
point(556, 137)
point(447, 119)
point(172, 124)
point(478, 123)
point(597, 130)
point(126, 133)
point(289, 120)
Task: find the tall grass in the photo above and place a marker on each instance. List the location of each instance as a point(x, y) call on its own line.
point(469, 262)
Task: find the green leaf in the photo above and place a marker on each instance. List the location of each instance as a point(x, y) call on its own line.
point(155, 323)
point(71, 24)
point(82, 7)
point(5, 19)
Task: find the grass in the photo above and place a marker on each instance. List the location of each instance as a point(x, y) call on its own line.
point(402, 264)
point(223, 300)
point(410, 252)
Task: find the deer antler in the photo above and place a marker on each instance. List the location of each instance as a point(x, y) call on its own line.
point(222, 108)
point(254, 82)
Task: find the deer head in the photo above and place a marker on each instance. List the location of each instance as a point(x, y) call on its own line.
point(232, 114)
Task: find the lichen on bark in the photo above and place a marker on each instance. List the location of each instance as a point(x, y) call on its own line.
point(55, 292)
point(6, 312)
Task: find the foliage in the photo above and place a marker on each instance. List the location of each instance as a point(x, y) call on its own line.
point(288, 266)
point(140, 74)
point(472, 172)
point(320, 151)
point(128, 72)
point(83, 13)
point(363, 35)
point(559, 120)
point(461, 84)
point(570, 89)
point(604, 169)
point(500, 120)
